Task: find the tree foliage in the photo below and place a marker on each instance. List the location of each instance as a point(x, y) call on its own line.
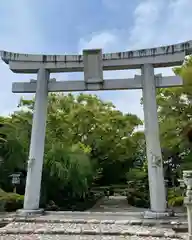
point(87, 140)
point(175, 115)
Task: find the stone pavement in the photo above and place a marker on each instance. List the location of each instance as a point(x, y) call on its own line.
point(66, 225)
point(94, 225)
point(91, 229)
point(84, 237)
point(114, 204)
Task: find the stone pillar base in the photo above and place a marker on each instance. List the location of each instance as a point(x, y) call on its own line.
point(189, 237)
point(27, 213)
point(157, 215)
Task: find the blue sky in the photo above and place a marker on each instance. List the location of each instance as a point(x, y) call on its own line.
point(68, 26)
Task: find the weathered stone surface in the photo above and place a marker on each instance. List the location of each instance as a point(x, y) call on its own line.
point(120, 221)
point(126, 224)
point(86, 229)
point(85, 237)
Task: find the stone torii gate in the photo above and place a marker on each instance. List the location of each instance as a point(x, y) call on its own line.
point(92, 63)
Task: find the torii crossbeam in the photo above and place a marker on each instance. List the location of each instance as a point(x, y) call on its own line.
point(108, 84)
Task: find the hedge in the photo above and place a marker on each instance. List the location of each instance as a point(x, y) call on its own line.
point(10, 202)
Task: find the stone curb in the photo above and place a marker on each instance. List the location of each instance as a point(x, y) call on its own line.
point(79, 231)
point(125, 213)
point(95, 221)
point(93, 213)
point(73, 213)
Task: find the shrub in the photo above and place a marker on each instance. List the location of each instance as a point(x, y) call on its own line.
point(2, 193)
point(2, 203)
point(51, 206)
point(176, 201)
point(138, 199)
point(175, 197)
point(2, 206)
point(138, 189)
point(138, 194)
point(10, 202)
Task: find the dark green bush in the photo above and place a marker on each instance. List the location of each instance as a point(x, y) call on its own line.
point(138, 199)
point(10, 202)
point(51, 206)
point(138, 189)
point(138, 194)
point(2, 192)
point(176, 201)
point(73, 203)
point(175, 197)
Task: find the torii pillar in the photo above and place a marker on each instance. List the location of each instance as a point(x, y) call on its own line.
point(154, 156)
point(36, 153)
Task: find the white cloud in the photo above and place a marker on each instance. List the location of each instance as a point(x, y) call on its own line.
point(159, 22)
point(156, 22)
point(104, 40)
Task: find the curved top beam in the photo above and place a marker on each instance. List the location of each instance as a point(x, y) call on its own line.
point(185, 47)
point(163, 56)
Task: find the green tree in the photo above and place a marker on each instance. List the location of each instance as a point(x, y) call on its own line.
point(175, 114)
point(87, 140)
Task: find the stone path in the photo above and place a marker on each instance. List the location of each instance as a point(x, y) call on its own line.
point(114, 204)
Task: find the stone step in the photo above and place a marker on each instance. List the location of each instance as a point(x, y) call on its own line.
point(81, 237)
point(92, 226)
point(179, 226)
point(130, 212)
point(144, 222)
point(92, 229)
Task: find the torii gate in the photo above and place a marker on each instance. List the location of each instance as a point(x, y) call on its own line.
point(92, 63)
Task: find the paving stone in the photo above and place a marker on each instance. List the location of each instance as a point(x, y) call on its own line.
point(120, 222)
point(88, 237)
point(29, 228)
